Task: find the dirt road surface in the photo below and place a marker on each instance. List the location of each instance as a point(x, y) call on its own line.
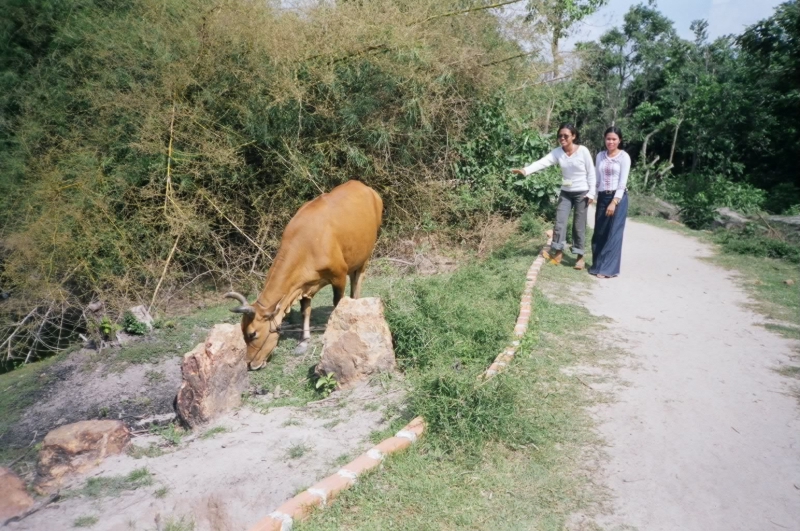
point(703, 433)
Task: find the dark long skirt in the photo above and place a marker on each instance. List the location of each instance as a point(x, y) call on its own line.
point(607, 239)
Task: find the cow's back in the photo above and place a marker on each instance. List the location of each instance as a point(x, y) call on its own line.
point(342, 224)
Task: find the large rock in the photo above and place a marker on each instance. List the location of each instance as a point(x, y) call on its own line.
point(214, 376)
point(14, 498)
point(78, 447)
point(357, 341)
point(728, 219)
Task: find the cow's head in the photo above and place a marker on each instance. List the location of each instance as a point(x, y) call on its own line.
point(261, 330)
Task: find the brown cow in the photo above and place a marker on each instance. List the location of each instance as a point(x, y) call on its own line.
point(328, 239)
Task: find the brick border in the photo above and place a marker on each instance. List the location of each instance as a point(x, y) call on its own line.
point(323, 492)
point(525, 310)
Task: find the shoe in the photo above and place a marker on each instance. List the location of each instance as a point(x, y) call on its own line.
point(580, 263)
point(554, 259)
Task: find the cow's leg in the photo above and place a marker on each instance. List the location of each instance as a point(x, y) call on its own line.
point(339, 283)
point(305, 309)
point(355, 282)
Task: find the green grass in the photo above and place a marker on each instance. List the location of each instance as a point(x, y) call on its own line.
point(183, 334)
point(213, 432)
point(296, 451)
point(112, 486)
point(501, 454)
point(171, 433)
point(161, 492)
point(181, 524)
point(138, 452)
point(19, 390)
point(85, 521)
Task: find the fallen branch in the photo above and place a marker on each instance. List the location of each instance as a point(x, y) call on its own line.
point(35, 508)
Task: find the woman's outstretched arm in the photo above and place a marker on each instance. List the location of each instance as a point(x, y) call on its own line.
point(544, 162)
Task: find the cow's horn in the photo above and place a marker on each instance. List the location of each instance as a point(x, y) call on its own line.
point(245, 307)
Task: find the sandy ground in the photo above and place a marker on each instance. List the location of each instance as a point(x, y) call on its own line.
point(702, 433)
point(231, 480)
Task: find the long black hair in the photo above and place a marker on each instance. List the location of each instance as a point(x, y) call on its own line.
point(572, 129)
point(617, 131)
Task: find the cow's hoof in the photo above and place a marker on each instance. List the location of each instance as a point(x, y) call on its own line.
point(252, 367)
point(302, 347)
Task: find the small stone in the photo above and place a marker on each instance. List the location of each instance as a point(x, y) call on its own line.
point(14, 498)
point(789, 282)
point(78, 447)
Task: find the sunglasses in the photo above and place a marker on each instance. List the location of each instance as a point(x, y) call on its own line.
point(563, 136)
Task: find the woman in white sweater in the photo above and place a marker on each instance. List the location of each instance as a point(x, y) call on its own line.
point(577, 191)
point(613, 167)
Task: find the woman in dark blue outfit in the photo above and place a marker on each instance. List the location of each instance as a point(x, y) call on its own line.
point(612, 168)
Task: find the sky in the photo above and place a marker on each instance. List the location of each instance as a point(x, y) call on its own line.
point(723, 16)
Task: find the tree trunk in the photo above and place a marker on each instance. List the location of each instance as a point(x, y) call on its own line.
point(554, 49)
point(644, 155)
point(548, 117)
point(674, 140)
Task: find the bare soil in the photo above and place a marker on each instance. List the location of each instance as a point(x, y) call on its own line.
point(233, 472)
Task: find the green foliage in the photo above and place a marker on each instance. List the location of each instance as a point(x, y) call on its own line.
point(495, 145)
point(85, 521)
point(132, 325)
point(172, 433)
point(177, 133)
point(752, 241)
point(326, 384)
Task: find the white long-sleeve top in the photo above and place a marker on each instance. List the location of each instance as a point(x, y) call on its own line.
point(612, 172)
point(577, 171)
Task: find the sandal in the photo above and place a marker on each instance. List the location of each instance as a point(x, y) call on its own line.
point(554, 259)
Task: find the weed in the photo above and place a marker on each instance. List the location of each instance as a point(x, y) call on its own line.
point(152, 450)
point(213, 432)
point(181, 524)
point(161, 492)
point(172, 433)
point(297, 451)
point(155, 377)
point(372, 406)
point(342, 460)
point(85, 521)
point(133, 326)
point(326, 384)
point(111, 486)
point(332, 423)
point(292, 422)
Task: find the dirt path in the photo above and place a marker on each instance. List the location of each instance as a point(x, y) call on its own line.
point(703, 433)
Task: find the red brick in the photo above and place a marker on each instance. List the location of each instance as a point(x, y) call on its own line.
point(300, 506)
point(333, 485)
point(267, 524)
point(393, 444)
point(361, 464)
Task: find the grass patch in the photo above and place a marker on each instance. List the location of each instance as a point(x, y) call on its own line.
point(161, 492)
point(213, 432)
point(172, 433)
point(85, 521)
point(20, 389)
point(180, 524)
point(529, 425)
point(182, 336)
point(112, 486)
point(505, 450)
point(296, 451)
point(138, 452)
